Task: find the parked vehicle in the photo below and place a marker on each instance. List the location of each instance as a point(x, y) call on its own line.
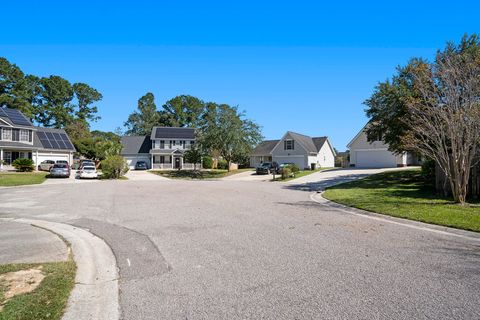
point(46, 165)
point(62, 162)
point(267, 168)
point(88, 172)
point(60, 170)
point(141, 165)
point(86, 163)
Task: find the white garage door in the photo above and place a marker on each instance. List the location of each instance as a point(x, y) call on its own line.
point(299, 161)
point(52, 156)
point(375, 159)
point(132, 160)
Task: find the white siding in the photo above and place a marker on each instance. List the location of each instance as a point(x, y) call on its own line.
point(365, 154)
point(132, 160)
point(326, 158)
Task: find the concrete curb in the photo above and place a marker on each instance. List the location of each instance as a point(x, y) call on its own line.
point(95, 295)
point(470, 236)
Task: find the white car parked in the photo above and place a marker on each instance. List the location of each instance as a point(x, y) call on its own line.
point(88, 172)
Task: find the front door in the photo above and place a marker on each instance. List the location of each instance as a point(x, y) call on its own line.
point(177, 163)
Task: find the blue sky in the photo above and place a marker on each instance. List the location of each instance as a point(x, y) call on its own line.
point(304, 66)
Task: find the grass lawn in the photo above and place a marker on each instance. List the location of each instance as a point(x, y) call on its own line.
point(197, 175)
point(405, 194)
point(21, 178)
point(299, 174)
point(48, 300)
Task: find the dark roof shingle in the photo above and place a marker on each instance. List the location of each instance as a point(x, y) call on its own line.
point(136, 144)
point(172, 133)
point(264, 148)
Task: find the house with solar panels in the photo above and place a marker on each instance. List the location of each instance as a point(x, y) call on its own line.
point(163, 149)
point(19, 138)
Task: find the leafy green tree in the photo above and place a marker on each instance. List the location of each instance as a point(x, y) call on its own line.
point(17, 90)
point(182, 111)
point(194, 155)
point(86, 96)
point(142, 121)
point(231, 134)
point(114, 167)
point(387, 107)
point(57, 109)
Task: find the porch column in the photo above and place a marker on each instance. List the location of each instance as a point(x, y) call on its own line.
point(151, 161)
point(1, 159)
point(36, 160)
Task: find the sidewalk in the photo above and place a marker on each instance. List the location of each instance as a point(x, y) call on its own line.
point(24, 243)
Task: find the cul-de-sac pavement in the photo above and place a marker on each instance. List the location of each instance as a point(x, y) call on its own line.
point(239, 249)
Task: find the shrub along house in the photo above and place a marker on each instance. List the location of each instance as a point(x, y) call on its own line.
point(19, 138)
point(304, 151)
point(163, 149)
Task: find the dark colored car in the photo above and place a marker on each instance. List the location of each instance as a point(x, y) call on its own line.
point(60, 170)
point(267, 168)
point(141, 165)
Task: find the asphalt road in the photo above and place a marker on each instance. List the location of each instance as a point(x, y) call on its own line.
point(260, 250)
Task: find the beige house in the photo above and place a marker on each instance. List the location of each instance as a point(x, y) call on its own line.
point(304, 151)
point(375, 154)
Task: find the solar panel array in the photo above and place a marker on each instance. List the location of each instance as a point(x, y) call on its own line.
point(15, 116)
point(53, 140)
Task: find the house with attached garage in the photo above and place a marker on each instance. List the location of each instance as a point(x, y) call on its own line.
point(375, 154)
point(304, 151)
point(164, 148)
point(19, 138)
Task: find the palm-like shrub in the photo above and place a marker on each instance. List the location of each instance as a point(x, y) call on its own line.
point(23, 164)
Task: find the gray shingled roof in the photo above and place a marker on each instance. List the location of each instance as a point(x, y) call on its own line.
point(172, 133)
point(136, 144)
point(312, 145)
point(264, 148)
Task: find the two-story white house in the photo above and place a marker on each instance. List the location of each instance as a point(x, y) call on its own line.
point(163, 149)
point(19, 138)
point(306, 152)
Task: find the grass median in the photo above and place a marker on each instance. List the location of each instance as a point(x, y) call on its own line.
point(198, 174)
point(47, 301)
point(299, 174)
point(21, 178)
point(405, 194)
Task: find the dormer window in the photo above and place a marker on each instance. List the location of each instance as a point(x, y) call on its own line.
point(24, 135)
point(6, 134)
point(289, 144)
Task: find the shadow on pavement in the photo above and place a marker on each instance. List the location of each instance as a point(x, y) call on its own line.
point(324, 183)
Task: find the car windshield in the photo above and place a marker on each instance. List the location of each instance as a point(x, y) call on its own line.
point(266, 164)
point(60, 165)
point(88, 168)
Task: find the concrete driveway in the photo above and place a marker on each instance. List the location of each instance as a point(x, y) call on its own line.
point(143, 175)
point(249, 250)
point(249, 176)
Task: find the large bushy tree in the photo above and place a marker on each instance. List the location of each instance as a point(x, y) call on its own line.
point(50, 101)
point(141, 121)
point(231, 134)
point(433, 108)
point(183, 111)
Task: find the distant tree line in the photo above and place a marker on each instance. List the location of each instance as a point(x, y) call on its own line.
point(55, 102)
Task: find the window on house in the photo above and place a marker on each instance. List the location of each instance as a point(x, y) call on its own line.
point(162, 159)
point(24, 135)
point(288, 145)
point(6, 134)
point(170, 144)
point(174, 142)
point(162, 144)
